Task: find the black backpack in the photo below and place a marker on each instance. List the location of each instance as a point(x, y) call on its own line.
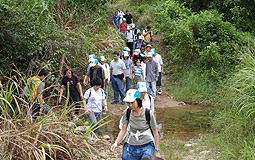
point(147, 116)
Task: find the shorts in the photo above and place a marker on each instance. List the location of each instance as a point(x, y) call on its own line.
point(159, 79)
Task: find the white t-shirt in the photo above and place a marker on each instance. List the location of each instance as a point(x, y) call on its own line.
point(106, 68)
point(144, 69)
point(130, 36)
point(95, 100)
point(147, 103)
point(158, 59)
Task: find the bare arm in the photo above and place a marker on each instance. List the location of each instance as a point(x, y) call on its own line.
point(85, 106)
point(156, 139)
point(61, 93)
point(85, 81)
point(124, 72)
point(143, 76)
point(119, 138)
point(104, 83)
point(162, 69)
point(80, 89)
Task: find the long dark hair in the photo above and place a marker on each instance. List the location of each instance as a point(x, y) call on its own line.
point(139, 102)
point(67, 69)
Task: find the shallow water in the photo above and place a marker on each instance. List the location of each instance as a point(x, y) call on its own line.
point(184, 121)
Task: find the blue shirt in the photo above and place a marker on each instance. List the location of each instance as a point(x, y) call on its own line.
point(138, 71)
point(115, 19)
point(128, 64)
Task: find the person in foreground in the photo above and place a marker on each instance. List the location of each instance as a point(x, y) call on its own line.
point(143, 139)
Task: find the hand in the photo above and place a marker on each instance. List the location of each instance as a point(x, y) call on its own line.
point(124, 79)
point(113, 147)
point(156, 79)
point(85, 83)
point(130, 76)
point(86, 111)
point(81, 96)
point(108, 82)
point(157, 154)
point(105, 109)
point(162, 71)
point(59, 100)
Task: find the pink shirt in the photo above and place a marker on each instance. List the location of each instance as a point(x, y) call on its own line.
point(123, 27)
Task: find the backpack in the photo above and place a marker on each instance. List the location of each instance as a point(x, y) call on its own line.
point(90, 94)
point(147, 116)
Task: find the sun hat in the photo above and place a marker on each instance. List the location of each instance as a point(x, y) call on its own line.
point(124, 19)
point(148, 45)
point(150, 54)
point(141, 86)
point(131, 95)
point(125, 54)
point(92, 56)
point(126, 49)
point(102, 58)
point(93, 62)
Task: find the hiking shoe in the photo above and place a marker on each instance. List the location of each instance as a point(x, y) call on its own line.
point(123, 103)
point(114, 102)
point(160, 91)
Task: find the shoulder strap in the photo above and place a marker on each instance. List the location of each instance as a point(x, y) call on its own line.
point(128, 114)
point(89, 93)
point(150, 98)
point(148, 118)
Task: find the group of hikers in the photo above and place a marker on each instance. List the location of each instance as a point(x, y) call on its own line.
point(139, 64)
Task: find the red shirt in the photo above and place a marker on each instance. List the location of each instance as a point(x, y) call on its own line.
point(123, 27)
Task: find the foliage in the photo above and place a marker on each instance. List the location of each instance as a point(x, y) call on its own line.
point(240, 13)
point(235, 121)
point(50, 136)
point(203, 40)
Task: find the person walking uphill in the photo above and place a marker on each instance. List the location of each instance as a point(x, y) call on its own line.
point(95, 71)
point(147, 34)
point(118, 71)
point(143, 139)
point(115, 20)
point(71, 81)
point(151, 75)
point(129, 18)
point(129, 68)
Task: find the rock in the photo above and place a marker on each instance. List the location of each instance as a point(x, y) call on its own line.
point(190, 145)
point(81, 128)
point(191, 151)
point(204, 153)
point(182, 103)
point(106, 137)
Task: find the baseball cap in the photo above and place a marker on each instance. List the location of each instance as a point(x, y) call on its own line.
point(93, 62)
point(148, 45)
point(153, 50)
point(129, 27)
point(126, 10)
point(141, 86)
point(136, 51)
point(102, 58)
point(125, 53)
point(140, 37)
point(150, 54)
point(133, 25)
point(124, 19)
point(126, 49)
point(131, 95)
point(92, 56)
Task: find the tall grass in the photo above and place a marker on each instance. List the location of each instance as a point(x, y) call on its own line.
point(235, 122)
point(47, 137)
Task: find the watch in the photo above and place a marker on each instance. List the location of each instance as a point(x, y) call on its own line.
point(157, 150)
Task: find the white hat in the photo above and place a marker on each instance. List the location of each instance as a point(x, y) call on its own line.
point(140, 37)
point(102, 58)
point(148, 45)
point(141, 86)
point(137, 51)
point(93, 62)
point(125, 54)
point(124, 19)
point(129, 27)
point(133, 25)
point(92, 56)
point(131, 95)
point(150, 54)
point(126, 49)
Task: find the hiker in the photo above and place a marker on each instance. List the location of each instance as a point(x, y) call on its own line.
point(134, 30)
point(148, 48)
point(95, 71)
point(115, 20)
point(129, 18)
point(118, 71)
point(124, 50)
point(143, 50)
point(137, 56)
point(158, 59)
point(95, 98)
point(106, 68)
point(91, 57)
point(123, 28)
point(147, 34)
point(130, 39)
point(120, 16)
point(138, 44)
point(129, 68)
point(70, 82)
point(143, 64)
point(138, 73)
point(143, 139)
point(148, 101)
point(151, 75)
point(34, 91)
